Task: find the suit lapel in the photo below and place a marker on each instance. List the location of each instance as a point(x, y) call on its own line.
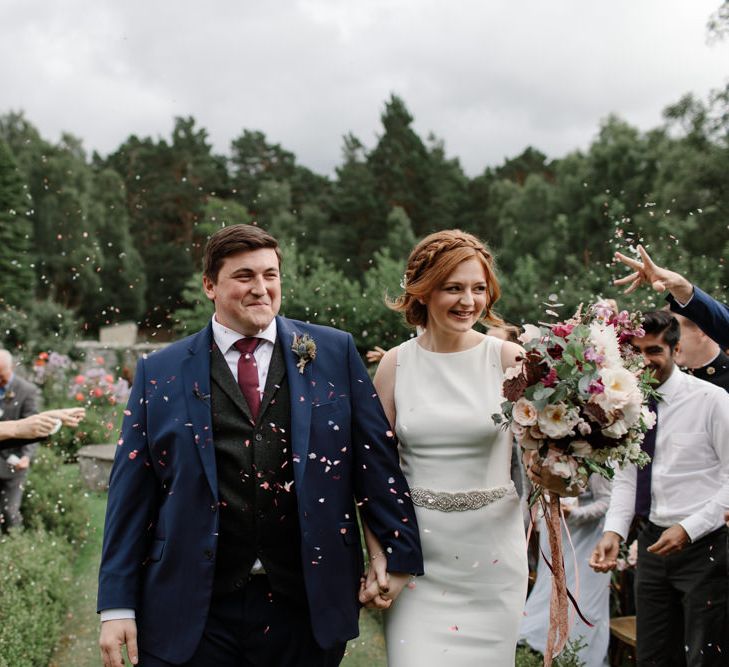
point(300, 390)
point(221, 375)
point(195, 372)
point(276, 373)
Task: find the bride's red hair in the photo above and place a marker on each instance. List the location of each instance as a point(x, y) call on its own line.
point(429, 265)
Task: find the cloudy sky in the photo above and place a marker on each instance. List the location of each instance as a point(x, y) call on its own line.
point(490, 77)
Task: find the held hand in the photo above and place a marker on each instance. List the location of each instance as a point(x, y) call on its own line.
point(540, 475)
point(114, 634)
point(660, 279)
point(376, 585)
point(671, 541)
point(605, 556)
point(374, 356)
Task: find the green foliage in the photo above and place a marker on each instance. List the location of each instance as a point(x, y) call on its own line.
point(35, 573)
point(122, 237)
point(54, 502)
point(35, 563)
point(17, 281)
point(526, 657)
point(39, 326)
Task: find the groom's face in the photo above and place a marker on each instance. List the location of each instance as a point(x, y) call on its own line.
point(247, 293)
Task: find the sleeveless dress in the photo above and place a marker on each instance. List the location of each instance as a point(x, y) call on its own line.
point(467, 609)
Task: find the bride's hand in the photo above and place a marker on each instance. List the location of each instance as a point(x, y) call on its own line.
point(375, 587)
point(542, 476)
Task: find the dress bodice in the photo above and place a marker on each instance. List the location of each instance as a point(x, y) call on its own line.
point(444, 404)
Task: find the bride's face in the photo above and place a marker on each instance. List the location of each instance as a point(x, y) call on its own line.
point(459, 302)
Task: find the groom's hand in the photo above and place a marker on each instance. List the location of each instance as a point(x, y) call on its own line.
point(375, 584)
point(114, 634)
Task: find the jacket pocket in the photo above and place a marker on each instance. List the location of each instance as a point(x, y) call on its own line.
point(349, 533)
point(155, 553)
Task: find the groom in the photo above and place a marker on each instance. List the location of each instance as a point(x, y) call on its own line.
point(247, 449)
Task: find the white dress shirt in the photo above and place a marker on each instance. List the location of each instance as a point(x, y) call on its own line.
point(690, 473)
point(225, 339)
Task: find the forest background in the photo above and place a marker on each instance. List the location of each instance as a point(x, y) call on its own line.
point(87, 241)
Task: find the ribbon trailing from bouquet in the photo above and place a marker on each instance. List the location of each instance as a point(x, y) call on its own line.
point(559, 625)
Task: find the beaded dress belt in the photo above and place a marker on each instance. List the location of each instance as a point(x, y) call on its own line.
point(459, 501)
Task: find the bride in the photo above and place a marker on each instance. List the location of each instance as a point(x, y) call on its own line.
point(439, 391)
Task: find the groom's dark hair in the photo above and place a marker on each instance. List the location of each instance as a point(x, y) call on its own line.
point(662, 322)
point(232, 240)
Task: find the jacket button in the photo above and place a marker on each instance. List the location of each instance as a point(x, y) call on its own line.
point(209, 554)
point(214, 508)
point(239, 583)
point(259, 437)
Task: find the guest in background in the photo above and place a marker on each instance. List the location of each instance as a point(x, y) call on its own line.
point(19, 398)
point(700, 355)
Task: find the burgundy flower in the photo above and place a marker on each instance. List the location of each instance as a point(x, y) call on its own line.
point(562, 330)
point(550, 379)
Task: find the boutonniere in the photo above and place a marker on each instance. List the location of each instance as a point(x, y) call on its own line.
point(304, 348)
point(9, 395)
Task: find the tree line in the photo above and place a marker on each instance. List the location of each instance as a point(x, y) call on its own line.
point(90, 240)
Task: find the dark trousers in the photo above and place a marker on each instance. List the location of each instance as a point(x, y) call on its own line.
point(682, 602)
point(11, 497)
point(256, 627)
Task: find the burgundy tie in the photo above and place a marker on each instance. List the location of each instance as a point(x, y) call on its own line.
point(248, 373)
point(643, 480)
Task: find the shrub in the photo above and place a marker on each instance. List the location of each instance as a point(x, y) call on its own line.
point(38, 327)
point(54, 500)
point(100, 392)
point(35, 576)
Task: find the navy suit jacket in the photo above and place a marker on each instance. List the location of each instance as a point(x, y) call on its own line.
point(711, 315)
point(161, 530)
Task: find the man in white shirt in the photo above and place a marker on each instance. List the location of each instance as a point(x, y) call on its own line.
point(682, 576)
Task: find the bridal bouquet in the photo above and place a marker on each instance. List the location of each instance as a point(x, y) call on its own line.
point(579, 398)
point(577, 404)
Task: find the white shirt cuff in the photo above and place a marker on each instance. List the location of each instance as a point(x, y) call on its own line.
point(616, 526)
point(683, 305)
point(116, 614)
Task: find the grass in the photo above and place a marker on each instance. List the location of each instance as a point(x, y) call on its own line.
point(78, 645)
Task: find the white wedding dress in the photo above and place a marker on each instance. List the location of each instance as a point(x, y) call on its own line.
point(467, 608)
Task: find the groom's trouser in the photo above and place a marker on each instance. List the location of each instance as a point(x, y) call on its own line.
point(682, 602)
point(256, 627)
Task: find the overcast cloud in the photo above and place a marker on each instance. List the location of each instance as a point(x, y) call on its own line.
point(489, 77)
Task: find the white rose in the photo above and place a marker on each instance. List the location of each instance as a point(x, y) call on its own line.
point(524, 412)
point(616, 430)
point(648, 417)
point(620, 386)
point(606, 343)
point(557, 421)
point(632, 409)
point(581, 448)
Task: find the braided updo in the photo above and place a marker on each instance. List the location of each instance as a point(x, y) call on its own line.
point(429, 265)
